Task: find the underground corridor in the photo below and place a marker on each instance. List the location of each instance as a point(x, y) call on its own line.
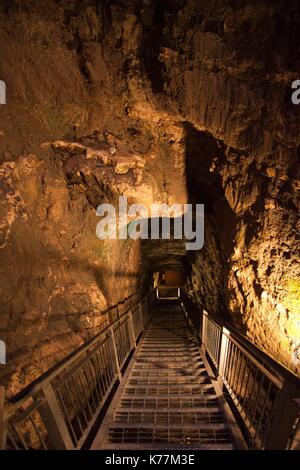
point(149, 229)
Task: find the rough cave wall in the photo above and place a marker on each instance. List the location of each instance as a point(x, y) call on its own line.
point(228, 69)
point(56, 276)
point(108, 88)
point(68, 142)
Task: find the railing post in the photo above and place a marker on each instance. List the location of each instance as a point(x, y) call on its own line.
point(284, 418)
point(222, 354)
point(54, 421)
point(115, 353)
point(2, 424)
point(204, 328)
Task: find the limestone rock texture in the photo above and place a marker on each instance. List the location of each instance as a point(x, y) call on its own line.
point(162, 101)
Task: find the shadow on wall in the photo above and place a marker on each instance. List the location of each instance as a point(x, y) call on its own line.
point(203, 154)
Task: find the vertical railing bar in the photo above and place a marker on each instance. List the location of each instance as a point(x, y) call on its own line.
point(79, 398)
point(208, 335)
point(247, 366)
point(23, 442)
point(67, 415)
point(53, 418)
point(102, 367)
point(97, 387)
point(38, 433)
point(93, 374)
point(84, 366)
point(116, 355)
point(231, 372)
point(204, 328)
point(217, 345)
point(263, 409)
point(223, 357)
point(121, 340)
point(90, 393)
point(94, 370)
point(98, 375)
point(128, 340)
point(241, 376)
point(252, 416)
point(94, 362)
point(84, 392)
point(235, 369)
point(119, 343)
point(248, 382)
point(272, 410)
point(129, 345)
point(214, 340)
point(109, 371)
point(133, 337)
point(227, 362)
point(256, 395)
point(74, 407)
point(239, 361)
point(232, 368)
point(11, 438)
point(107, 358)
point(214, 343)
point(247, 408)
point(124, 339)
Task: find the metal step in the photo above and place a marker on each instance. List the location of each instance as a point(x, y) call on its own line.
point(170, 434)
point(162, 390)
point(167, 381)
point(180, 402)
point(169, 446)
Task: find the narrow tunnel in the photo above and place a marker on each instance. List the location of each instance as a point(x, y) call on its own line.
point(149, 229)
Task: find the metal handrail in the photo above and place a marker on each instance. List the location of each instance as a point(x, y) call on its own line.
point(261, 391)
point(34, 386)
point(58, 409)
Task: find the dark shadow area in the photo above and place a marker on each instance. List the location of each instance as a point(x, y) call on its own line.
point(204, 185)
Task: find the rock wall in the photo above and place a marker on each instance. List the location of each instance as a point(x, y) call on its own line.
point(56, 275)
point(234, 65)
